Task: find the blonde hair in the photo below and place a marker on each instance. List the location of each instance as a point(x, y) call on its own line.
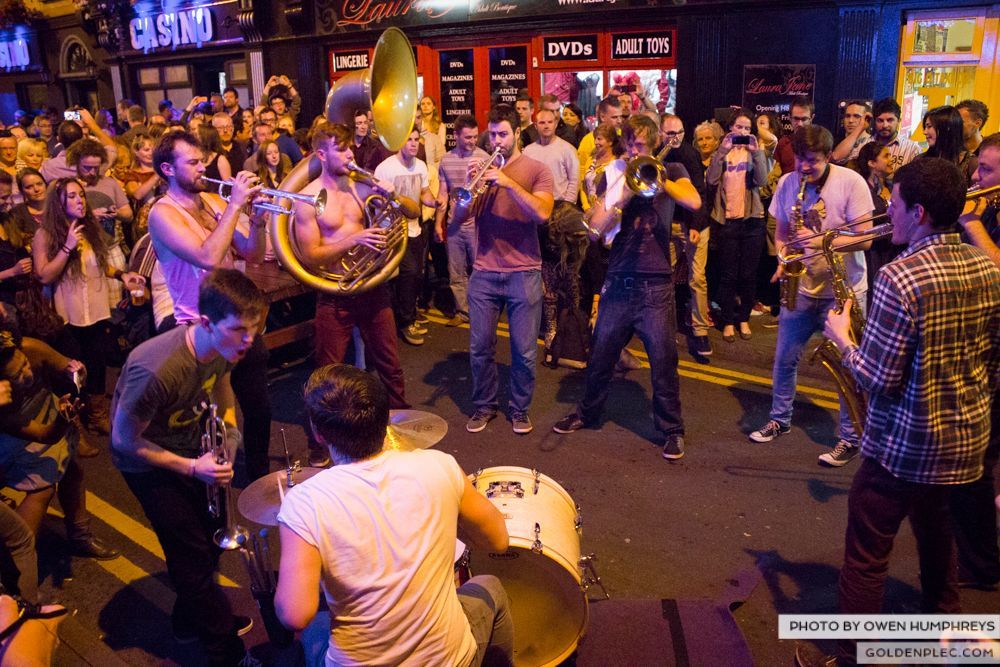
point(24, 145)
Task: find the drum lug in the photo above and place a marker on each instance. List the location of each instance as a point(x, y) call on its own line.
point(536, 546)
point(475, 477)
point(537, 475)
point(578, 522)
point(505, 489)
point(590, 576)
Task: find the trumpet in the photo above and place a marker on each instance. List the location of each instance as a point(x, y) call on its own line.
point(220, 500)
point(475, 185)
point(317, 201)
point(644, 175)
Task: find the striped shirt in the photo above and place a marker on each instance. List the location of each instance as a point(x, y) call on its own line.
point(929, 359)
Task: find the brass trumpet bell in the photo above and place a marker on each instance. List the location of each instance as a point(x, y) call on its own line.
point(644, 175)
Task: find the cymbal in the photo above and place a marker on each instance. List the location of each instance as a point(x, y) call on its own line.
point(261, 501)
point(414, 429)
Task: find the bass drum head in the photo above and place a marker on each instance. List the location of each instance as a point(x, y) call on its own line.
point(547, 606)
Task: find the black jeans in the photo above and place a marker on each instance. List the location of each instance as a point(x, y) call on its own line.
point(94, 341)
point(877, 504)
point(973, 510)
point(249, 381)
point(178, 511)
point(740, 244)
point(636, 306)
point(407, 284)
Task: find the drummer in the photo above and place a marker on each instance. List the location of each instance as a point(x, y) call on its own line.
point(378, 530)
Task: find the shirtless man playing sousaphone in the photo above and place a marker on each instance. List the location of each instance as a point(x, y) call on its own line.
point(323, 239)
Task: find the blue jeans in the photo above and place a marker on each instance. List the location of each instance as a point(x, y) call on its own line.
point(489, 293)
point(644, 307)
point(461, 255)
point(794, 330)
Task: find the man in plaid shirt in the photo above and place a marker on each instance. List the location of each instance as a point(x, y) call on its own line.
point(929, 360)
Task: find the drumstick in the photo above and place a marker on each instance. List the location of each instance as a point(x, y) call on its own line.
point(281, 490)
point(266, 560)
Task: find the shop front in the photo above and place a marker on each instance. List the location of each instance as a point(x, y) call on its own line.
point(188, 50)
point(24, 73)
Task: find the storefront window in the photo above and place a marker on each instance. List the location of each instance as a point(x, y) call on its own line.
point(944, 36)
point(584, 89)
point(659, 86)
point(925, 88)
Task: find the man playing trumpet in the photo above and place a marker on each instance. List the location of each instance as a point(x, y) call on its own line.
point(194, 232)
point(156, 443)
point(638, 294)
point(833, 197)
point(324, 239)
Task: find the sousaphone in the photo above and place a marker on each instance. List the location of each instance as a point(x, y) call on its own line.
point(389, 88)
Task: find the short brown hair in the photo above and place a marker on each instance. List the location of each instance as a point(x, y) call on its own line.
point(86, 147)
point(226, 292)
point(639, 124)
point(165, 149)
point(812, 138)
point(324, 132)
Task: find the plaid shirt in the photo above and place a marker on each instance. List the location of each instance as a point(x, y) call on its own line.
point(929, 359)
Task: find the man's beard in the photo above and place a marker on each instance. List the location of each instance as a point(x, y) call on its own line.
point(192, 186)
point(90, 180)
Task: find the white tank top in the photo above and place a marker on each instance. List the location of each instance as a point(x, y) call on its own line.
point(182, 278)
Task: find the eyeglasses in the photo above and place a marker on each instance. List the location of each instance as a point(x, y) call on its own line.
point(671, 135)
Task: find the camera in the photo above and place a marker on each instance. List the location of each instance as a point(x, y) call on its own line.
point(741, 140)
point(71, 115)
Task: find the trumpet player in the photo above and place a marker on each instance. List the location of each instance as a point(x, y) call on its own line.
point(461, 238)
point(323, 240)
point(156, 444)
point(832, 197)
point(507, 273)
point(195, 231)
point(638, 294)
point(928, 359)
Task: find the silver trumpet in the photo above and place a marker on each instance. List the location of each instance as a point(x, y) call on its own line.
point(317, 201)
point(475, 185)
point(220, 498)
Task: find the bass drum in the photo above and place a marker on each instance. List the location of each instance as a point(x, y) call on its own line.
point(541, 569)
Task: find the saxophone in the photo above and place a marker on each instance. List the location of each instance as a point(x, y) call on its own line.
point(794, 269)
point(855, 400)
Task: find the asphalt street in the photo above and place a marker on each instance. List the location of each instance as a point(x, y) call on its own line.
point(660, 530)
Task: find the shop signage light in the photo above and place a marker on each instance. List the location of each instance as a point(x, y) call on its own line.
point(625, 46)
point(14, 54)
point(172, 29)
point(346, 61)
point(577, 47)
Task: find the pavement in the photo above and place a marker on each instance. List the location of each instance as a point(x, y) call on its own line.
point(684, 530)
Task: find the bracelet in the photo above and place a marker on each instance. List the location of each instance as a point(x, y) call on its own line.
point(66, 249)
point(192, 467)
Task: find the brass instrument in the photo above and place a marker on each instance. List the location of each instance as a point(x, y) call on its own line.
point(795, 268)
point(220, 499)
point(389, 89)
point(976, 192)
point(474, 184)
point(381, 212)
point(644, 175)
point(318, 201)
point(855, 401)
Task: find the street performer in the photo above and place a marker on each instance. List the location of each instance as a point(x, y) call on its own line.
point(827, 197)
point(162, 392)
point(194, 232)
point(322, 240)
point(638, 295)
point(928, 359)
point(378, 532)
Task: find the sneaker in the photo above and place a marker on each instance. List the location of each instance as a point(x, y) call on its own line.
point(458, 320)
point(319, 458)
point(413, 335)
point(840, 455)
point(568, 424)
point(759, 309)
point(769, 432)
point(520, 422)
point(701, 346)
point(673, 449)
point(479, 420)
point(422, 317)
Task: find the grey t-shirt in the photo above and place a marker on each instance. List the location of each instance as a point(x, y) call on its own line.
point(164, 384)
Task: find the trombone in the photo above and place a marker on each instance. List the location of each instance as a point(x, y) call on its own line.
point(317, 201)
point(789, 254)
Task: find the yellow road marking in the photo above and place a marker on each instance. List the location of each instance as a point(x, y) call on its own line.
point(729, 378)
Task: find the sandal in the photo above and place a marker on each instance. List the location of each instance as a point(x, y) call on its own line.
point(27, 611)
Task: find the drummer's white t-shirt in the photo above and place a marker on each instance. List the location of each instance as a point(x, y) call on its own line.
point(386, 530)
